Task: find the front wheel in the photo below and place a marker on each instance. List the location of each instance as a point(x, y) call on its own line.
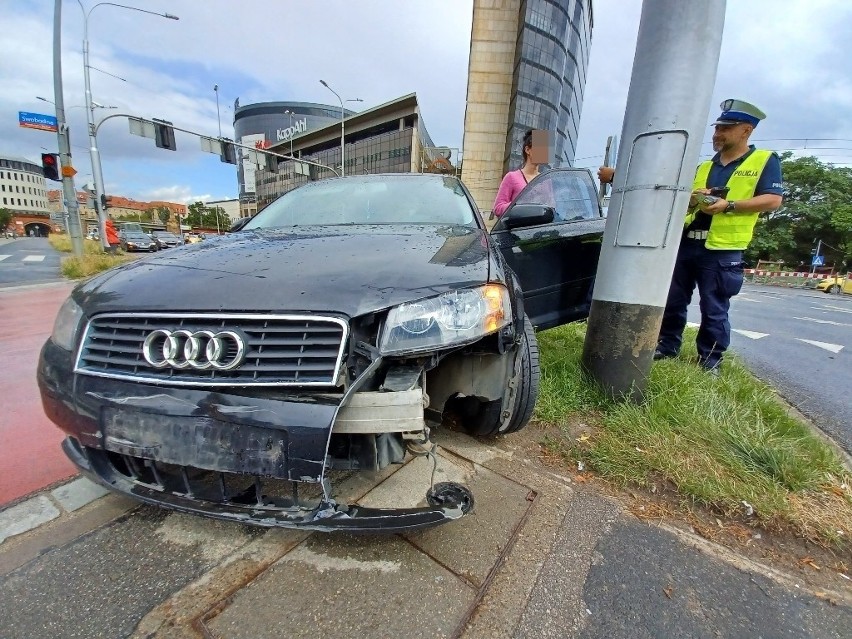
point(490, 419)
point(834, 289)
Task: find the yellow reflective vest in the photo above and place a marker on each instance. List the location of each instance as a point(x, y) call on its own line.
point(732, 232)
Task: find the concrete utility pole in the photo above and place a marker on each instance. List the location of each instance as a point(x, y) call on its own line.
point(674, 72)
point(68, 191)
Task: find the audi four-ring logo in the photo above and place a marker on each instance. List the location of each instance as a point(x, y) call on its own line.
point(201, 350)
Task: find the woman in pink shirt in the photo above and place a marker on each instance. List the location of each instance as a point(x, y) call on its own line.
point(515, 181)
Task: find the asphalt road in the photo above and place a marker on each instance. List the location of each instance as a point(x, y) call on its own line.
point(800, 342)
point(28, 260)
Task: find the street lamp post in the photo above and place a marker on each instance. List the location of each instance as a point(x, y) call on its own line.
point(342, 132)
point(97, 173)
point(77, 106)
point(218, 119)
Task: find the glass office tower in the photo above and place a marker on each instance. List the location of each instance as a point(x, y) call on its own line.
point(528, 62)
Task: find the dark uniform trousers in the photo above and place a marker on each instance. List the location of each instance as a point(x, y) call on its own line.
point(719, 276)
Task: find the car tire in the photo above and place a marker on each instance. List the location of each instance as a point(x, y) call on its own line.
point(834, 289)
point(489, 421)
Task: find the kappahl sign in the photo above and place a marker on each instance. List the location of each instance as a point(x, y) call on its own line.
point(300, 126)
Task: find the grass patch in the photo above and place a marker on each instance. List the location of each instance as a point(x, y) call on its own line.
point(93, 261)
point(727, 443)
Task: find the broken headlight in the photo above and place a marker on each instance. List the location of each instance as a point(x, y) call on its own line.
point(450, 319)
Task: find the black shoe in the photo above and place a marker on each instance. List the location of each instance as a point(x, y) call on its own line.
point(714, 370)
point(658, 355)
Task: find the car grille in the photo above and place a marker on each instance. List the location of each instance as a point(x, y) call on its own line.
point(280, 350)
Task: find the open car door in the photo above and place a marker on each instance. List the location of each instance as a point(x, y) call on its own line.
point(551, 238)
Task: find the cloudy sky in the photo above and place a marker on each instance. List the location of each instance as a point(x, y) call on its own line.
point(789, 57)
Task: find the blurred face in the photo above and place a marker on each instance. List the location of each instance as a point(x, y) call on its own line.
point(539, 152)
point(731, 136)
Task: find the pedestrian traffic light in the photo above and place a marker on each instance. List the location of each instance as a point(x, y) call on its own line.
point(50, 166)
point(164, 135)
point(229, 154)
point(271, 163)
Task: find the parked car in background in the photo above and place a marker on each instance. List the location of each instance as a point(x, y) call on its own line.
point(192, 238)
point(835, 284)
point(131, 227)
point(136, 241)
point(243, 378)
point(165, 239)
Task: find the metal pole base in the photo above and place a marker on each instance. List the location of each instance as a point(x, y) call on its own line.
point(619, 347)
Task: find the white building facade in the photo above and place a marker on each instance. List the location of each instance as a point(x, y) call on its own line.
point(22, 186)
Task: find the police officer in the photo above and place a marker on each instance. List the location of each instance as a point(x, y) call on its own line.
point(716, 232)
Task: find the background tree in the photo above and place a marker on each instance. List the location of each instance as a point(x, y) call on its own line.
point(163, 213)
point(195, 214)
point(5, 218)
point(206, 216)
point(817, 206)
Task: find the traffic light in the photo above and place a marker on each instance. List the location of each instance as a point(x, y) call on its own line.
point(229, 154)
point(50, 166)
point(164, 135)
point(271, 163)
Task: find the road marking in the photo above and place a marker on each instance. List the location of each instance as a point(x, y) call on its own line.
point(33, 258)
point(3, 257)
point(834, 348)
point(837, 308)
point(750, 334)
point(828, 309)
point(742, 298)
point(820, 321)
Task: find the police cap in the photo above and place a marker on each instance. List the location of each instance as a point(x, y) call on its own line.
point(736, 111)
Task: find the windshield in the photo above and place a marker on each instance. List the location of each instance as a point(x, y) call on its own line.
point(371, 199)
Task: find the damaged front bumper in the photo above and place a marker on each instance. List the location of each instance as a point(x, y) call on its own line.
point(218, 454)
point(252, 505)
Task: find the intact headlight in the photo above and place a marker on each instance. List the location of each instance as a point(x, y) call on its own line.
point(67, 325)
point(450, 319)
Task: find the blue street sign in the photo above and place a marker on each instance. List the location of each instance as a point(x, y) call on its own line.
point(37, 121)
point(818, 260)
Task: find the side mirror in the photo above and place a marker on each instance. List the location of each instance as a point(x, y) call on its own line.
point(521, 215)
point(239, 224)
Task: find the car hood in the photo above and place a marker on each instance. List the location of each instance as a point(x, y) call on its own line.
point(343, 269)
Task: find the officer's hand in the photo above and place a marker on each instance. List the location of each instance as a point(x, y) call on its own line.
point(717, 207)
point(693, 201)
point(605, 174)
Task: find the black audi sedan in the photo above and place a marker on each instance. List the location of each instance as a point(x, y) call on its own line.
point(238, 377)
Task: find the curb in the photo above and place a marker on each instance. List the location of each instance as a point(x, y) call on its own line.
point(47, 506)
